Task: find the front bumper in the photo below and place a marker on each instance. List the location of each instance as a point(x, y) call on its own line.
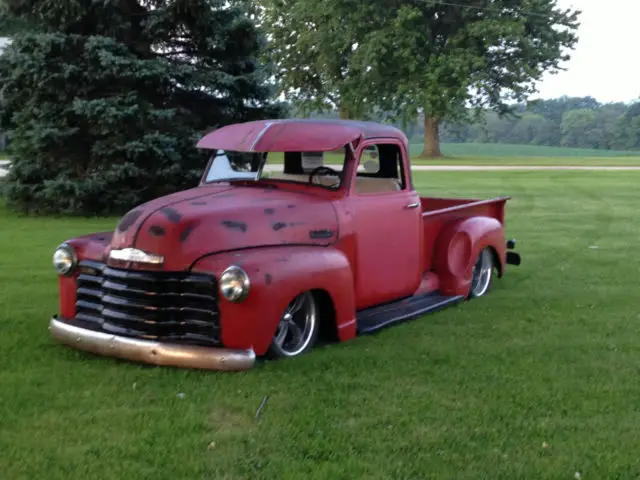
point(146, 351)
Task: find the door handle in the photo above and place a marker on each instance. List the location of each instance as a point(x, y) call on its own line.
point(412, 205)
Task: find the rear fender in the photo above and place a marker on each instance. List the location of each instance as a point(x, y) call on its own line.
point(458, 246)
point(277, 275)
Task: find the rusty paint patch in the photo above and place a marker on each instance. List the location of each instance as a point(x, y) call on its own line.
point(156, 230)
point(128, 220)
point(326, 233)
point(233, 225)
point(269, 211)
point(186, 232)
point(278, 226)
point(172, 214)
point(267, 279)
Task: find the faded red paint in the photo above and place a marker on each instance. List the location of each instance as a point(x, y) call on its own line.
point(127, 229)
point(378, 250)
point(278, 274)
point(294, 135)
point(67, 287)
point(87, 247)
point(245, 217)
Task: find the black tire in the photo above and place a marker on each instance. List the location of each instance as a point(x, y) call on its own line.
point(298, 329)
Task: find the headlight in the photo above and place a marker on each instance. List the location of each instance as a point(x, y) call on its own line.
point(234, 284)
point(65, 260)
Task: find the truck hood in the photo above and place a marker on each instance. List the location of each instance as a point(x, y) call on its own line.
point(186, 225)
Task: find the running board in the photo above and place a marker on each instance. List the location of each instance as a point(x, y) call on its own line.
point(374, 318)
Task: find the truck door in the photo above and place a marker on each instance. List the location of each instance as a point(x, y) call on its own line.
point(387, 220)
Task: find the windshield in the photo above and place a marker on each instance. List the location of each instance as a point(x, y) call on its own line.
point(323, 168)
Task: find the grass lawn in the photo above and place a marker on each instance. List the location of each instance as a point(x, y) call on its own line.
point(539, 380)
point(526, 151)
point(499, 154)
point(520, 160)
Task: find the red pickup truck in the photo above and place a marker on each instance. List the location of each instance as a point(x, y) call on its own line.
point(298, 228)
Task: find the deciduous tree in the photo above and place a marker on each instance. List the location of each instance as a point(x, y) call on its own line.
point(440, 57)
point(310, 44)
point(426, 58)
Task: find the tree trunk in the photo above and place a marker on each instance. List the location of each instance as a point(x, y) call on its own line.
point(344, 113)
point(431, 138)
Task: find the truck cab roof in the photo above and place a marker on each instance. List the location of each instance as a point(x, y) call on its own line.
point(295, 135)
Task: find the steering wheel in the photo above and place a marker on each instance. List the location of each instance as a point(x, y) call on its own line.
point(320, 169)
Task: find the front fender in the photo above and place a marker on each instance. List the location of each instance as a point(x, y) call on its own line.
point(91, 247)
point(87, 247)
point(277, 275)
point(458, 246)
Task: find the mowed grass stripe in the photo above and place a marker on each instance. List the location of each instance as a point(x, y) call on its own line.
point(551, 355)
point(492, 150)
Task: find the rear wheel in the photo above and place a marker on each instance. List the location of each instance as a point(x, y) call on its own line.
point(298, 328)
point(482, 274)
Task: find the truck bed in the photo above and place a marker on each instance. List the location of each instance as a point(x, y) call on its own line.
point(493, 207)
point(436, 212)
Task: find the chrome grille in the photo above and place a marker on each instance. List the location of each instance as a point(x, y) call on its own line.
point(176, 307)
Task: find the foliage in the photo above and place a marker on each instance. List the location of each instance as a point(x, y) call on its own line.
point(578, 124)
point(411, 58)
point(566, 121)
point(11, 25)
point(447, 58)
point(105, 102)
point(311, 44)
point(628, 128)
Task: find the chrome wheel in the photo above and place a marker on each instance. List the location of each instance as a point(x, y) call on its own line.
point(481, 274)
point(298, 327)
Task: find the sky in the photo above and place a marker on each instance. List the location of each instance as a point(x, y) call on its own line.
point(604, 62)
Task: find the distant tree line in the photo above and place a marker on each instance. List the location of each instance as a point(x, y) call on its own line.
point(577, 122)
point(580, 122)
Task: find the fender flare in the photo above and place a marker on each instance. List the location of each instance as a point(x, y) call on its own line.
point(277, 275)
point(457, 247)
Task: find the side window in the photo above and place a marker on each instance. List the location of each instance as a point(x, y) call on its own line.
point(379, 169)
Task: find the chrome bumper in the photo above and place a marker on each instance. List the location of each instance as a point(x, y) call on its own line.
point(146, 351)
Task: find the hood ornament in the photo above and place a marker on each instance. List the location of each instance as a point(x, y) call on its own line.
point(135, 255)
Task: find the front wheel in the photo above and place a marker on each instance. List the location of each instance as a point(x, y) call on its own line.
point(482, 274)
point(298, 328)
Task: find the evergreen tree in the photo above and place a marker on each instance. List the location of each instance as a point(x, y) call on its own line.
point(106, 101)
